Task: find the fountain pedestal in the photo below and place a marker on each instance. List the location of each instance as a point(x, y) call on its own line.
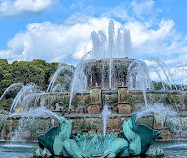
point(96, 101)
point(123, 101)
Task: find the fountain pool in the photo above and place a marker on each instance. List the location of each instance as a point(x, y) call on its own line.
point(17, 149)
point(9, 149)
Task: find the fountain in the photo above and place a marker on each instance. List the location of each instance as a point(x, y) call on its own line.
point(106, 78)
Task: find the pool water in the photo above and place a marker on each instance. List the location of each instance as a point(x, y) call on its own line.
point(16, 149)
point(174, 149)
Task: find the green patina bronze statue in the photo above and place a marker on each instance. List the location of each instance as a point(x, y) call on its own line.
point(135, 140)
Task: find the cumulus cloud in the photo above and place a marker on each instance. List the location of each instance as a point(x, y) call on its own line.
point(161, 41)
point(181, 61)
point(24, 8)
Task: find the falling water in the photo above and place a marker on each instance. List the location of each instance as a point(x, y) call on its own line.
point(40, 98)
point(27, 120)
point(110, 74)
point(162, 66)
point(58, 88)
point(138, 77)
point(28, 89)
point(163, 115)
point(105, 114)
point(9, 88)
point(181, 71)
point(79, 82)
point(29, 101)
point(56, 74)
point(110, 49)
point(157, 72)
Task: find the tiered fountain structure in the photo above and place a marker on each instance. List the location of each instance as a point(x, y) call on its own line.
point(105, 76)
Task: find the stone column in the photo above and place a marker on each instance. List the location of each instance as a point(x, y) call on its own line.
point(96, 100)
point(123, 101)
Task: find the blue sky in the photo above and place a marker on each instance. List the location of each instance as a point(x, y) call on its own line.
point(59, 30)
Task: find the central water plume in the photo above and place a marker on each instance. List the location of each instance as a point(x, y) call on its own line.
point(105, 114)
point(114, 44)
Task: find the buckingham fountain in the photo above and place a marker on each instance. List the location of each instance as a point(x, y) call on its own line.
point(111, 108)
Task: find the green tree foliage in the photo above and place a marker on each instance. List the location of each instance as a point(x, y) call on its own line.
point(158, 86)
point(6, 77)
point(36, 71)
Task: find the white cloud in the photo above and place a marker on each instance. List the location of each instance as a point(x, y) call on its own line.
point(181, 61)
point(144, 35)
point(144, 7)
point(156, 40)
point(179, 74)
point(24, 8)
point(120, 12)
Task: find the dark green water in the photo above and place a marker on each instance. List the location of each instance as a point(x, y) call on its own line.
point(175, 149)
